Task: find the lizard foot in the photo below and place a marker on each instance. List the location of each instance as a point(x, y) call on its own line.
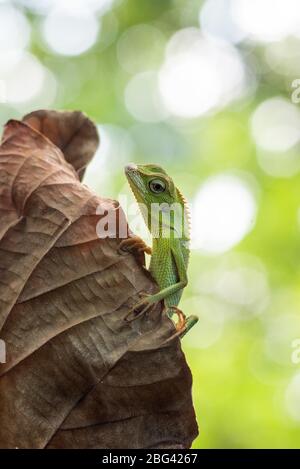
point(180, 325)
point(182, 329)
point(140, 308)
point(134, 244)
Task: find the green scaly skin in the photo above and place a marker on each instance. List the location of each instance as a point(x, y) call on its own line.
point(150, 185)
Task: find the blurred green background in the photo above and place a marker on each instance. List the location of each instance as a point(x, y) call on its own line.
point(207, 89)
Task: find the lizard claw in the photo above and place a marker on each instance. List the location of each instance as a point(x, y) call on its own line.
point(182, 329)
point(133, 244)
point(189, 323)
point(139, 308)
point(180, 325)
point(136, 246)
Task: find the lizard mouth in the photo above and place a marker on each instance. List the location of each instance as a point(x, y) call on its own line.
point(135, 181)
point(132, 174)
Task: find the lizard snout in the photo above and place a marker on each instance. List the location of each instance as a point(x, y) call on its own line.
point(130, 167)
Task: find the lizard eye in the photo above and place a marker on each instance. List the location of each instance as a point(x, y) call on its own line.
point(157, 186)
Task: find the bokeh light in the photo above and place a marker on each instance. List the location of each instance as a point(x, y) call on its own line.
point(29, 84)
point(275, 127)
point(240, 280)
point(224, 212)
point(266, 20)
point(199, 75)
point(216, 20)
point(70, 32)
point(15, 26)
point(44, 6)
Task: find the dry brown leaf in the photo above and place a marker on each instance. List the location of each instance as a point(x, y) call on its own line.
point(77, 374)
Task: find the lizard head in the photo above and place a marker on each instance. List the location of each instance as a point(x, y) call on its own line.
point(151, 185)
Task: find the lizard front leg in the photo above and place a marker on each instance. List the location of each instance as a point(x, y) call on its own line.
point(136, 246)
point(148, 300)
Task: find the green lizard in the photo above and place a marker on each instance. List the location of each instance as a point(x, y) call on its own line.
point(166, 214)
